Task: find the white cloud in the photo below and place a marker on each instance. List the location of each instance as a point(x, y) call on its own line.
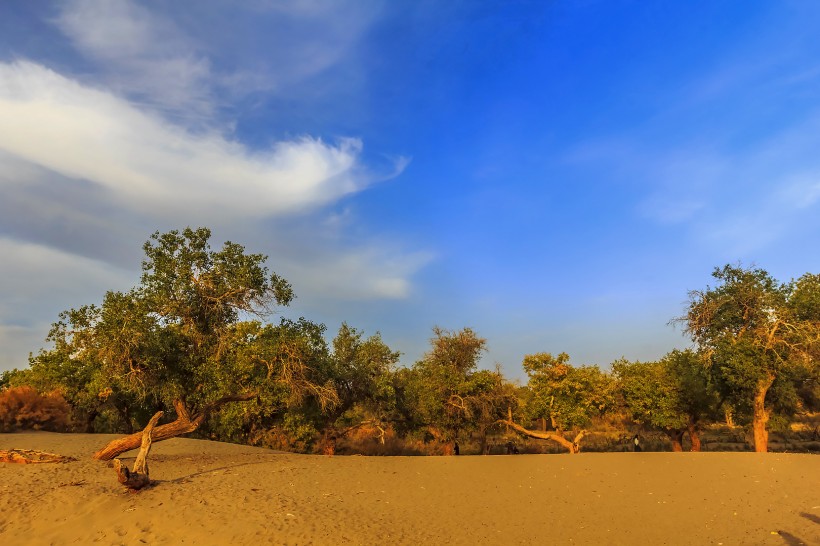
point(191, 66)
point(144, 55)
point(36, 283)
point(92, 163)
point(149, 165)
point(36, 276)
point(357, 275)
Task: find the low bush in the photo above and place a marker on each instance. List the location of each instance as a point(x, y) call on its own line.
point(23, 408)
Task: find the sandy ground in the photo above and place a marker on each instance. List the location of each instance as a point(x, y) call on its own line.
point(214, 493)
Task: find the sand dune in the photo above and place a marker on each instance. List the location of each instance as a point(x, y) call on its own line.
point(214, 493)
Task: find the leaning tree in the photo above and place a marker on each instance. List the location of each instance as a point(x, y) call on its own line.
point(177, 339)
point(567, 396)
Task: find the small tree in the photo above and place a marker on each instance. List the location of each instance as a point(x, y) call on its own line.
point(566, 396)
point(696, 396)
point(650, 393)
point(444, 392)
point(360, 370)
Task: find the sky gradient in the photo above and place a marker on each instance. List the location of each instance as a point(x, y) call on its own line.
point(554, 175)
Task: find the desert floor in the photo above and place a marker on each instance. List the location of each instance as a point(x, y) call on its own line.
point(215, 493)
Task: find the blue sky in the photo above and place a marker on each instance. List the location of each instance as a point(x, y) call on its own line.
point(555, 175)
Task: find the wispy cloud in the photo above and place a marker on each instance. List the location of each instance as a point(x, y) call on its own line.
point(159, 169)
point(138, 139)
point(167, 60)
point(143, 56)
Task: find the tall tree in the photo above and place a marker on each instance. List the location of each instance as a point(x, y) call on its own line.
point(756, 331)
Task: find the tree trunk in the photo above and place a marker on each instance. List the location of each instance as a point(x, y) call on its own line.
point(328, 443)
point(138, 478)
point(125, 417)
point(676, 435)
point(89, 421)
point(184, 424)
point(483, 441)
point(694, 436)
point(573, 446)
point(760, 415)
point(730, 420)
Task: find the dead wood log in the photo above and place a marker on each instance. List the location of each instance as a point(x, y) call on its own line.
point(184, 424)
point(138, 478)
point(30, 456)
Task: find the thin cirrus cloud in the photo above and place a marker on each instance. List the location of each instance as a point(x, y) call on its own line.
point(140, 54)
point(190, 72)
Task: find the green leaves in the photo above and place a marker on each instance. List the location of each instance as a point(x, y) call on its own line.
point(567, 396)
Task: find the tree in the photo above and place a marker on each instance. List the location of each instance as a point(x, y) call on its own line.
point(286, 366)
point(673, 395)
point(756, 331)
point(445, 393)
point(176, 340)
point(360, 370)
point(94, 396)
point(568, 397)
point(695, 394)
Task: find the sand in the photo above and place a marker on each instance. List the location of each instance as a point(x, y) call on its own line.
point(215, 493)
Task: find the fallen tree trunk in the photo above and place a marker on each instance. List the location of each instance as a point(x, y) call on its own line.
point(184, 424)
point(138, 478)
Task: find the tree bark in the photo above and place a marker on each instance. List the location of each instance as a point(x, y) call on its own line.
point(125, 417)
point(760, 415)
point(89, 421)
point(184, 424)
point(694, 436)
point(676, 435)
point(138, 478)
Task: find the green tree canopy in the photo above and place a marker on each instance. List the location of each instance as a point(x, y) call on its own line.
point(178, 340)
point(568, 397)
point(757, 332)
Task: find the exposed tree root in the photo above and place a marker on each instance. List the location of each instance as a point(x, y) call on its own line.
point(138, 478)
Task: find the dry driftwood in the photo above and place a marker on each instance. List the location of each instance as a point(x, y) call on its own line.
point(30, 456)
point(138, 478)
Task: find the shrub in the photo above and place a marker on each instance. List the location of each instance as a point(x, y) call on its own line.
point(23, 408)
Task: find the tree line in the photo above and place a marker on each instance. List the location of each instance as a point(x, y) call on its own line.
point(194, 339)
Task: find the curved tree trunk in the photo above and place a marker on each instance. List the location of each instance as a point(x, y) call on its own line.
point(573, 446)
point(184, 424)
point(760, 415)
